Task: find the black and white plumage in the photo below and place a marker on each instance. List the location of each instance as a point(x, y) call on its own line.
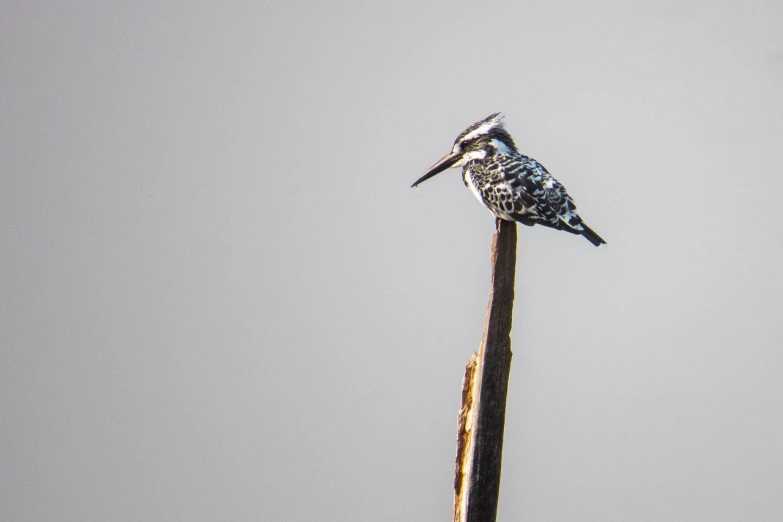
point(511, 185)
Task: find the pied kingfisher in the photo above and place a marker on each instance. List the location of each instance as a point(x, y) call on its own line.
point(512, 186)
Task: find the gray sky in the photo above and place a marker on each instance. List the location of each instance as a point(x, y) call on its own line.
point(219, 299)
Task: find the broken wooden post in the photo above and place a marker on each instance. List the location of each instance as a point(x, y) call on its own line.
point(483, 410)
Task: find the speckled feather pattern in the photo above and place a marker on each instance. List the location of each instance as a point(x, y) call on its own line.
point(518, 188)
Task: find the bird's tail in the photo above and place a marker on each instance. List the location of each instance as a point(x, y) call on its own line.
point(592, 236)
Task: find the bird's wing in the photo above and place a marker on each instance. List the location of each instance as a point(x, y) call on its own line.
point(545, 198)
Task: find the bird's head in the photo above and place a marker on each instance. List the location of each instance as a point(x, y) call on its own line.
point(483, 139)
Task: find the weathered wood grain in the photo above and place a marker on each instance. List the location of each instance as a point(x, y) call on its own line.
point(483, 410)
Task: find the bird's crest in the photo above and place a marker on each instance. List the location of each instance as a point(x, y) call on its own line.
point(481, 127)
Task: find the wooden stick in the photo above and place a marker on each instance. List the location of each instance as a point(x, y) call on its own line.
point(483, 411)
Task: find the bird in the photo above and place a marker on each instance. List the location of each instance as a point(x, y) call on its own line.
point(514, 187)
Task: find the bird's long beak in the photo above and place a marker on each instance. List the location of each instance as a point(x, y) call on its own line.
point(445, 163)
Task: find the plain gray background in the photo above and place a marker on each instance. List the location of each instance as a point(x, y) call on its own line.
point(220, 300)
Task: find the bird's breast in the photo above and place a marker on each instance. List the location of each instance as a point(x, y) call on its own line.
point(474, 183)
